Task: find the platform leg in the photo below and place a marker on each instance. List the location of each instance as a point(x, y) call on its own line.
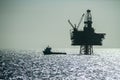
point(86, 49)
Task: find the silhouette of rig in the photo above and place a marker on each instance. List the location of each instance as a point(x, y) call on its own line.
point(86, 38)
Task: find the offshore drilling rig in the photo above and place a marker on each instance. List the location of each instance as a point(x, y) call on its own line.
point(87, 37)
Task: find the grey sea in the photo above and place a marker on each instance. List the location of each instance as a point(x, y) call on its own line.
point(104, 64)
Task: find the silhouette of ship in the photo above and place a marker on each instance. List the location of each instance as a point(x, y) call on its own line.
point(47, 51)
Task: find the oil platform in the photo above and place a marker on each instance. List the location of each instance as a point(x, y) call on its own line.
point(87, 37)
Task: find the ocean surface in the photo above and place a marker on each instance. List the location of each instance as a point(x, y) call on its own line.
point(104, 64)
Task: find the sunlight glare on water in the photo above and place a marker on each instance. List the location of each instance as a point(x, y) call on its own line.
point(104, 64)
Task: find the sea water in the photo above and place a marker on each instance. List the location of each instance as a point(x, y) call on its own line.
point(104, 64)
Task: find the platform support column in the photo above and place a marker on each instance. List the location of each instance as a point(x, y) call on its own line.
point(86, 49)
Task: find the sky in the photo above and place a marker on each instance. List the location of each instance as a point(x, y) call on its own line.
point(35, 24)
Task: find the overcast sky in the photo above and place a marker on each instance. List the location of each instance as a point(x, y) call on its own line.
point(34, 24)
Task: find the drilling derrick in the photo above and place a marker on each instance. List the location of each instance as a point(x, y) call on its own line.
point(87, 37)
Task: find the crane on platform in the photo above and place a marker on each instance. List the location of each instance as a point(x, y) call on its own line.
point(76, 27)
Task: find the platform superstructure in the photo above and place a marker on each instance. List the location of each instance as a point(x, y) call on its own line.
point(87, 37)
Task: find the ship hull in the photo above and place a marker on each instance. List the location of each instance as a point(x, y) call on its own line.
point(46, 53)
